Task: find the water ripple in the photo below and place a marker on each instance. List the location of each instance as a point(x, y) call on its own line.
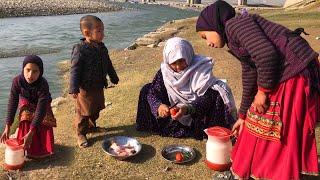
point(52, 37)
point(24, 52)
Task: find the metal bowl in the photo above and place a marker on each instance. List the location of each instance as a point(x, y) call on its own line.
point(121, 140)
point(169, 153)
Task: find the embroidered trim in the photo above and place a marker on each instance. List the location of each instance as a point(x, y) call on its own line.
point(266, 126)
point(27, 114)
point(272, 113)
point(274, 104)
point(260, 119)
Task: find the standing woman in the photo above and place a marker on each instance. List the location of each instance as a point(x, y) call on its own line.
point(280, 98)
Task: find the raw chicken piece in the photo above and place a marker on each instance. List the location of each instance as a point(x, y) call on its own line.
point(122, 150)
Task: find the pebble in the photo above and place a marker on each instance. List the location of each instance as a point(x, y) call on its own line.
point(167, 168)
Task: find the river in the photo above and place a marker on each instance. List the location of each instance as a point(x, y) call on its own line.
point(52, 37)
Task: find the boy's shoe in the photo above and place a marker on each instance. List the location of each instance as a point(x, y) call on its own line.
point(82, 141)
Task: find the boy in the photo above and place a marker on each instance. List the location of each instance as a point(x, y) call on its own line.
point(90, 66)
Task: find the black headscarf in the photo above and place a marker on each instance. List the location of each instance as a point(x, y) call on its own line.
point(214, 18)
point(35, 60)
point(31, 91)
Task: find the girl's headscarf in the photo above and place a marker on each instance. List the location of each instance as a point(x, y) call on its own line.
point(186, 86)
point(214, 18)
point(35, 60)
point(30, 91)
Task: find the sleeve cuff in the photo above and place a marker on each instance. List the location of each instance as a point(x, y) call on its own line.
point(242, 116)
point(156, 107)
point(33, 127)
point(264, 89)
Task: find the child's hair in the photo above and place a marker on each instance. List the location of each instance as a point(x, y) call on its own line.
point(88, 22)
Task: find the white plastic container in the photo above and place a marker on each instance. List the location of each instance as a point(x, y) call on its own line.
point(218, 148)
point(14, 155)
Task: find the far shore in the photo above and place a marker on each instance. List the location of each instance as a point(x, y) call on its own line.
point(21, 8)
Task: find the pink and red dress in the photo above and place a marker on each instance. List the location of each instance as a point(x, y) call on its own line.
point(33, 102)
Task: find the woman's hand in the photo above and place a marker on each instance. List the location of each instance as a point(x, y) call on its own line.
point(5, 134)
point(28, 139)
point(237, 127)
point(260, 102)
point(181, 111)
point(163, 111)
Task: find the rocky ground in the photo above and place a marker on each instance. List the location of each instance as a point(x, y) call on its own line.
point(16, 8)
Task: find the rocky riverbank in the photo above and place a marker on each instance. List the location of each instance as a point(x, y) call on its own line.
point(199, 7)
point(17, 8)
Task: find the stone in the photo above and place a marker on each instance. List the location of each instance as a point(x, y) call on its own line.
point(57, 101)
point(132, 47)
point(107, 103)
point(146, 41)
point(161, 44)
point(151, 46)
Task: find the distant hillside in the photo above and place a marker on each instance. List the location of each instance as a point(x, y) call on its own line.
point(298, 4)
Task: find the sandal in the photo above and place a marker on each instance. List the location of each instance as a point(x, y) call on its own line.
point(82, 141)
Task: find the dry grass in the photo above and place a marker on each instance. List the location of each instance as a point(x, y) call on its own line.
point(135, 69)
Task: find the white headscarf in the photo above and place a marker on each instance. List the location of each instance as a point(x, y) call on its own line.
point(186, 86)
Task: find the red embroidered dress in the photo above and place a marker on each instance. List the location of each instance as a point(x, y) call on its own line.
point(43, 140)
point(279, 144)
point(33, 102)
point(287, 147)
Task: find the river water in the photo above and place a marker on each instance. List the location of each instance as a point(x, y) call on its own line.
point(52, 37)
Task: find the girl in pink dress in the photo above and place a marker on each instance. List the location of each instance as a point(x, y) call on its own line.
point(30, 95)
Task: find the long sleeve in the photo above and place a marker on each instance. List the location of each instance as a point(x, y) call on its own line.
point(249, 90)
point(249, 35)
point(13, 101)
point(261, 63)
point(75, 70)
point(157, 94)
point(111, 71)
point(41, 109)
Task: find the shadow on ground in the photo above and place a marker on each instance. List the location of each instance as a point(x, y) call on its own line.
point(125, 130)
point(196, 159)
point(147, 152)
point(63, 156)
